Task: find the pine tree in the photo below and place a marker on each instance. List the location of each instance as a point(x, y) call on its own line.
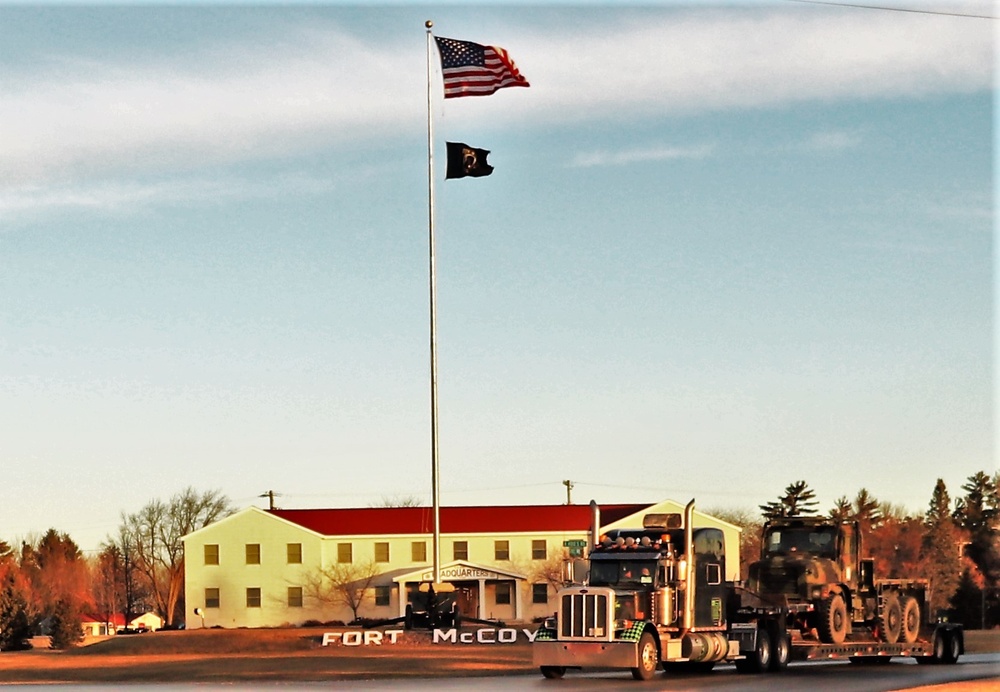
point(842, 509)
point(66, 628)
point(866, 510)
point(977, 512)
point(941, 549)
point(798, 500)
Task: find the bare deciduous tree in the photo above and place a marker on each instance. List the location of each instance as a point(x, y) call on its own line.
point(342, 584)
point(398, 501)
point(155, 532)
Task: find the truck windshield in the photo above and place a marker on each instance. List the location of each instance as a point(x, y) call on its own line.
point(786, 540)
point(622, 572)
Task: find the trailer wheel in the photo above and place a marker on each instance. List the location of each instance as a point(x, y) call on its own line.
point(649, 658)
point(890, 618)
point(781, 648)
point(910, 619)
point(833, 619)
point(952, 646)
point(553, 672)
point(940, 643)
point(759, 660)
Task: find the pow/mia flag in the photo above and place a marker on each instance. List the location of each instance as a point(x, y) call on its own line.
point(464, 160)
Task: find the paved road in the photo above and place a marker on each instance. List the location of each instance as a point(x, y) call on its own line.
point(900, 674)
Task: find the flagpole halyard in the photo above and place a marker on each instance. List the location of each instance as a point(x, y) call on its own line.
point(435, 468)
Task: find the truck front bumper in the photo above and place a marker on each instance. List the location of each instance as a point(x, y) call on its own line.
point(582, 654)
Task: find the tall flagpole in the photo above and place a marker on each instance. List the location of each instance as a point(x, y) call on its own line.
point(435, 470)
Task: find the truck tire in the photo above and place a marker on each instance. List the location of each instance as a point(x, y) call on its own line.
point(649, 658)
point(834, 622)
point(758, 660)
point(952, 646)
point(910, 619)
point(781, 647)
point(890, 618)
point(552, 672)
point(940, 643)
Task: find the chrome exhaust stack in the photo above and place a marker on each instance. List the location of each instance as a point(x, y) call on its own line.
point(687, 617)
point(595, 524)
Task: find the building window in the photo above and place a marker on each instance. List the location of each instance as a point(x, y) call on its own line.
point(501, 550)
point(212, 554)
point(294, 596)
point(461, 550)
point(382, 595)
point(295, 553)
point(540, 593)
point(253, 597)
point(539, 551)
point(503, 593)
point(253, 553)
point(211, 598)
point(418, 551)
point(344, 553)
point(381, 552)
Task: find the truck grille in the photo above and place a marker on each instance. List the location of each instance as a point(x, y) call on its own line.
point(776, 579)
point(584, 615)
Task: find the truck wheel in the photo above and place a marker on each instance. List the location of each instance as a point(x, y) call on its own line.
point(649, 658)
point(940, 643)
point(759, 660)
point(952, 646)
point(553, 672)
point(890, 619)
point(910, 619)
point(781, 648)
point(834, 622)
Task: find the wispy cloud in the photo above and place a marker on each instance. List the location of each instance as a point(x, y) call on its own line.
point(832, 141)
point(124, 197)
point(240, 102)
point(626, 157)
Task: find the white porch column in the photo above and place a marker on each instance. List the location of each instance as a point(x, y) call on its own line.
point(518, 609)
point(482, 599)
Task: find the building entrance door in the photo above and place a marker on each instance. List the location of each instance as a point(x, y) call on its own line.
point(467, 599)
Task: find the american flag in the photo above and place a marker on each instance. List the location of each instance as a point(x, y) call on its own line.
point(470, 69)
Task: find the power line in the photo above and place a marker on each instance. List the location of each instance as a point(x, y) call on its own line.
point(893, 9)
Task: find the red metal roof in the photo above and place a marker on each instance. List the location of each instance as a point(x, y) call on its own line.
point(388, 521)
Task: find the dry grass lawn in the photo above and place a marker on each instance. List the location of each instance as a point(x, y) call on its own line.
point(271, 655)
point(255, 656)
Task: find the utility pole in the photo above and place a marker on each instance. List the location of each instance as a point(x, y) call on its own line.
point(569, 491)
point(270, 495)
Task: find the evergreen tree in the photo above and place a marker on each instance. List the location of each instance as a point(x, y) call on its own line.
point(798, 500)
point(866, 510)
point(66, 628)
point(977, 512)
point(15, 628)
point(842, 509)
point(941, 549)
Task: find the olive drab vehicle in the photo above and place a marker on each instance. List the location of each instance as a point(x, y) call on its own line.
point(813, 566)
point(657, 597)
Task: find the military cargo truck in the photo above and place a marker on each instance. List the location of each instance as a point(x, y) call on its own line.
point(813, 567)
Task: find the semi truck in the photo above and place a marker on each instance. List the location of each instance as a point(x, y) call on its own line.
point(657, 596)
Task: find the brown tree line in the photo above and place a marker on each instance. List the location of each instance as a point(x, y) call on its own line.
point(48, 585)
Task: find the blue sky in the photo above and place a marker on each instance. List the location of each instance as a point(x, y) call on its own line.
point(725, 247)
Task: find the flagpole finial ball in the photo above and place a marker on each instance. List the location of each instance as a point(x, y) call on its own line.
point(428, 24)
